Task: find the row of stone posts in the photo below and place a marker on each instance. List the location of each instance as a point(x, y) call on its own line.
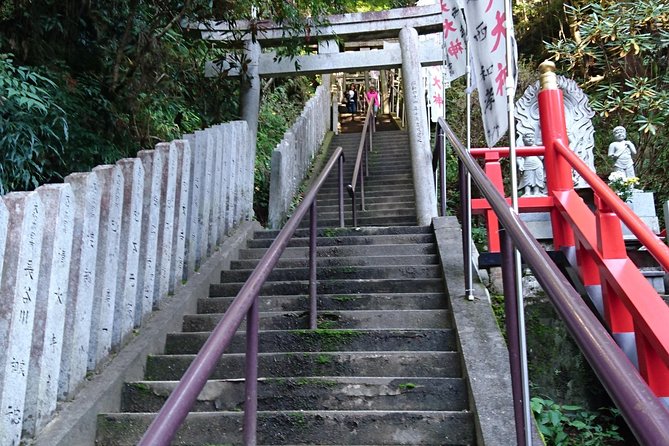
point(293, 155)
point(83, 262)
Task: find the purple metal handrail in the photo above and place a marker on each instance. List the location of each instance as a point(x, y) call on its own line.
point(176, 408)
point(364, 147)
point(644, 413)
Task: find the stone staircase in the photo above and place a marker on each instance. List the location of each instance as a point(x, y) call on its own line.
point(382, 367)
point(389, 192)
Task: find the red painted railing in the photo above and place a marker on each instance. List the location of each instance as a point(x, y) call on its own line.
point(632, 311)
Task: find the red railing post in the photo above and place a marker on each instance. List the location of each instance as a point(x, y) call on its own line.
point(553, 127)
point(493, 170)
point(611, 246)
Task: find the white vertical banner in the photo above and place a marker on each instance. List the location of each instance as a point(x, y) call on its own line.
point(435, 91)
point(454, 38)
point(487, 32)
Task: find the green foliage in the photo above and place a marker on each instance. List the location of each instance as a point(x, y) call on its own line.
point(618, 54)
point(33, 128)
point(565, 425)
point(279, 107)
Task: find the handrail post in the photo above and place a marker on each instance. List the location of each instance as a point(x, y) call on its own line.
point(441, 144)
point(513, 333)
point(553, 127)
point(251, 375)
point(466, 225)
point(372, 129)
point(313, 305)
point(362, 188)
point(341, 191)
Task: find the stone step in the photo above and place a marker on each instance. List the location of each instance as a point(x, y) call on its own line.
point(309, 393)
point(340, 272)
point(340, 240)
point(383, 230)
point(350, 286)
point(322, 340)
point(375, 205)
point(345, 251)
point(332, 319)
point(437, 364)
point(394, 183)
point(338, 261)
point(406, 196)
point(302, 427)
point(416, 301)
point(363, 220)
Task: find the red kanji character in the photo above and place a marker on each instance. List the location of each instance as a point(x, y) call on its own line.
point(444, 6)
point(455, 48)
point(436, 82)
point(498, 31)
point(437, 99)
point(448, 27)
point(500, 78)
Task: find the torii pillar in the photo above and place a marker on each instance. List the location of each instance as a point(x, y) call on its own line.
point(249, 103)
point(419, 132)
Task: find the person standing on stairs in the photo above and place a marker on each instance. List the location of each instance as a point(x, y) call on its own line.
point(373, 101)
point(352, 100)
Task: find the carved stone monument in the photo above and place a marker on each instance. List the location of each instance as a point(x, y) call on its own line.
point(578, 115)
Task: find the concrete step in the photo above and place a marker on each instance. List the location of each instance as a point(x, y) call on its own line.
point(341, 240)
point(351, 261)
point(302, 427)
point(390, 230)
point(374, 205)
point(350, 286)
point(437, 364)
point(329, 222)
point(344, 271)
point(309, 393)
point(406, 196)
point(416, 301)
point(332, 319)
point(345, 251)
point(323, 340)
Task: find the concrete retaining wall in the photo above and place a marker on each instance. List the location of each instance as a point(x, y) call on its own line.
point(83, 263)
point(292, 156)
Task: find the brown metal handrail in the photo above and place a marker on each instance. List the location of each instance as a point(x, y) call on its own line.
point(361, 157)
point(176, 408)
point(644, 413)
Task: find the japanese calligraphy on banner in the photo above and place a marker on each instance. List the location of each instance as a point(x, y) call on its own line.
point(454, 38)
point(435, 91)
point(487, 34)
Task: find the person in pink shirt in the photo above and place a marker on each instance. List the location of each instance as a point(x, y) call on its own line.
point(373, 99)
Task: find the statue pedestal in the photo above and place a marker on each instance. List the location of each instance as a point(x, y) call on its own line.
point(539, 224)
point(643, 205)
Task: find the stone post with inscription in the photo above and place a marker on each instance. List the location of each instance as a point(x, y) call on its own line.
point(109, 238)
point(74, 360)
point(182, 209)
point(152, 161)
point(17, 314)
point(129, 249)
point(166, 219)
point(419, 134)
point(52, 297)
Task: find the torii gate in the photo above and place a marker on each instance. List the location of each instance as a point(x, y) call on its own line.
point(410, 54)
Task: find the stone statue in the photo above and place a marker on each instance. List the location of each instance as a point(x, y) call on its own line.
point(532, 180)
point(621, 150)
point(578, 114)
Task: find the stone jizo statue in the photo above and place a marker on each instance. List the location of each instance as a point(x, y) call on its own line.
point(621, 150)
point(533, 179)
